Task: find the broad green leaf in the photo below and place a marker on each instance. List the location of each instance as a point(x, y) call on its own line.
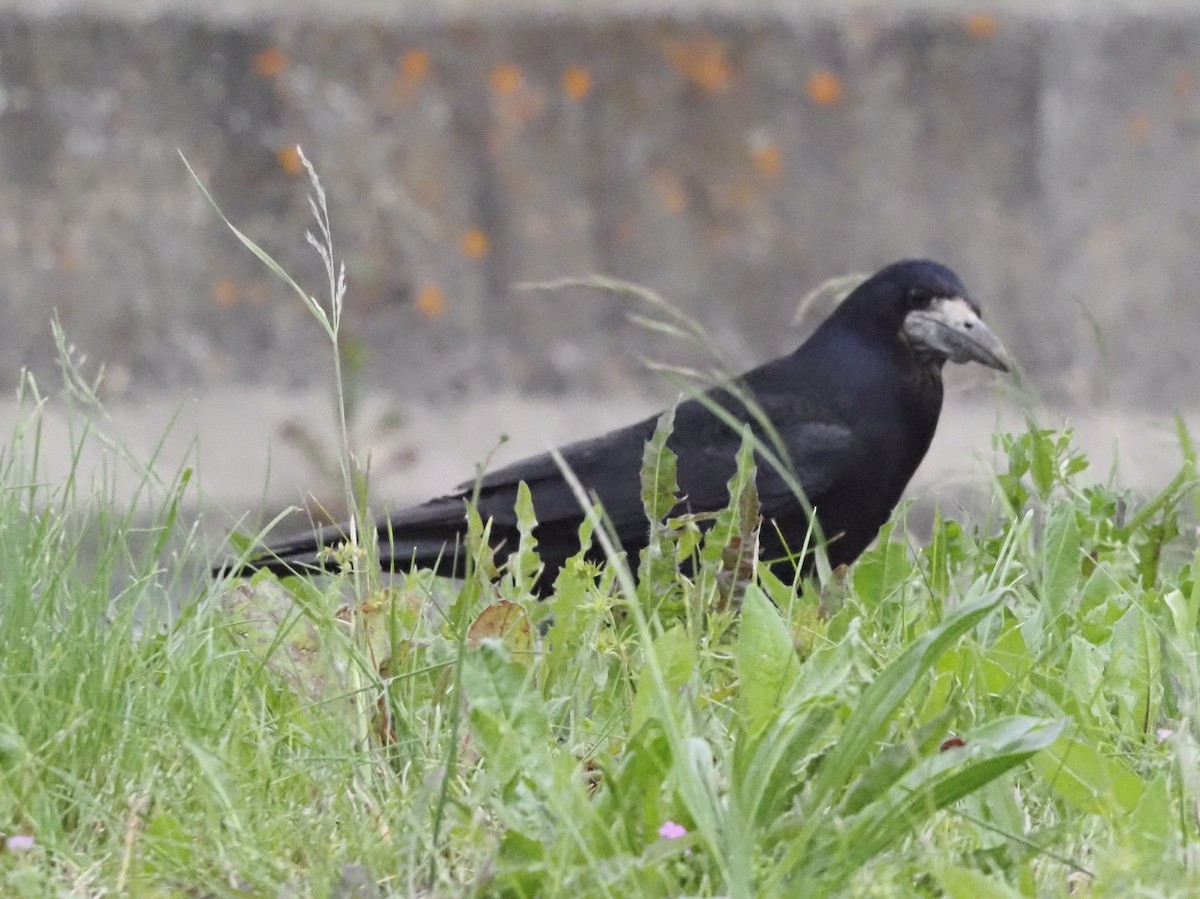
point(766, 660)
point(967, 883)
point(478, 547)
point(1042, 460)
point(728, 521)
point(1185, 615)
point(660, 489)
point(882, 571)
point(676, 658)
point(660, 494)
point(780, 594)
point(481, 565)
point(941, 688)
point(729, 543)
point(517, 848)
point(523, 564)
point(566, 637)
point(1060, 558)
point(169, 843)
point(1136, 672)
point(1084, 677)
point(508, 718)
point(892, 763)
point(635, 789)
point(938, 781)
point(879, 701)
point(1088, 779)
point(945, 552)
point(768, 768)
point(1006, 661)
point(948, 776)
point(699, 786)
point(1152, 827)
point(13, 750)
point(1101, 585)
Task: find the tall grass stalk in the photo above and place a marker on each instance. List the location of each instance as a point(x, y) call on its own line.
point(330, 322)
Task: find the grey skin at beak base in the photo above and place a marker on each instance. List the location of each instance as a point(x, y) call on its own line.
point(951, 328)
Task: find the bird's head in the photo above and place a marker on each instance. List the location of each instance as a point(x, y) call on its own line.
point(926, 305)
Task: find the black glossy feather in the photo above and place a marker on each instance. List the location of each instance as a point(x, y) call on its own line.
point(856, 406)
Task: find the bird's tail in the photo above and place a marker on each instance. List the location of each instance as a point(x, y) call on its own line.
point(431, 535)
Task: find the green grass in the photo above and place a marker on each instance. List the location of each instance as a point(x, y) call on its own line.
point(446, 739)
point(1008, 709)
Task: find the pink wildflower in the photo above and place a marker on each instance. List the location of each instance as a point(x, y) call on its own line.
point(19, 843)
point(672, 831)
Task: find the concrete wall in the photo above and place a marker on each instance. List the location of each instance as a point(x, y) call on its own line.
point(728, 155)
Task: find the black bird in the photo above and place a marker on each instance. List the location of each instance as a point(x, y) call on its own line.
point(855, 407)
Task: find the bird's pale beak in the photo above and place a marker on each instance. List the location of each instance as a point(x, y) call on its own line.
point(951, 328)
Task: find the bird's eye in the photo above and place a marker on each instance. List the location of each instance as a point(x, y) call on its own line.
point(917, 297)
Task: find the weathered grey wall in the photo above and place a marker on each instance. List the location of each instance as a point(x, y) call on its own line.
point(730, 157)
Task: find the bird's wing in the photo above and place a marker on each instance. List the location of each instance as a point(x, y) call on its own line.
point(821, 455)
point(818, 454)
point(821, 450)
point(606, 466)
